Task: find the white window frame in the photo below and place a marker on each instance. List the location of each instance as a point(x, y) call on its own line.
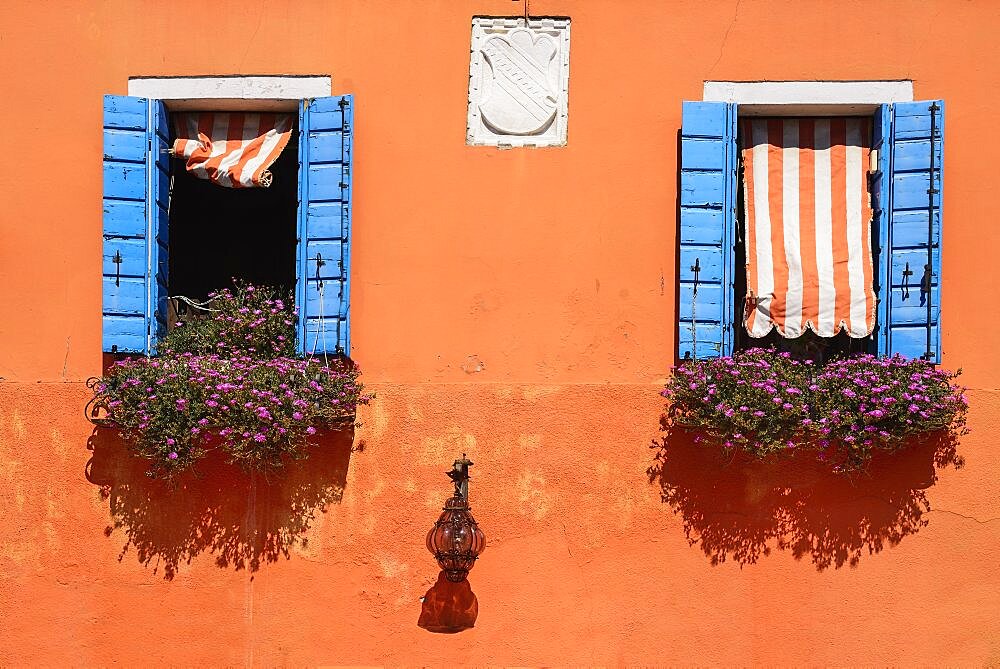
point(232, 93)
point(808, 98)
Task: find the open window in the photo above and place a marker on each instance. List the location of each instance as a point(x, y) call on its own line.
point(805, 235)
point(903, 182)
point(167, 233)
point(220, 232)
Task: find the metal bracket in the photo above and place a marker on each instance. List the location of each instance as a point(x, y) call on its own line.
point(319, 264)
point(459, 475)
point(696, 269)
point(907, 273)
point(117, 260)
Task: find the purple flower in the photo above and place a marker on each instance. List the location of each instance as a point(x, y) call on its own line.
point(172, 455)
point(310, 430)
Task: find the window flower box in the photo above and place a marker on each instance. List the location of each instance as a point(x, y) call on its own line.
point(766, 403)
point(230, 381)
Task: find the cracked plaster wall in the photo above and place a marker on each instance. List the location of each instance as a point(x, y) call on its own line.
point(511, 304)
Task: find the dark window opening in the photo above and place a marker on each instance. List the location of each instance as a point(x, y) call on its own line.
point(218, 235)
point(809, 346)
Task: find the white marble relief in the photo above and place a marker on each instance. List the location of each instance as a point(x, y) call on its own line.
point(518, 82)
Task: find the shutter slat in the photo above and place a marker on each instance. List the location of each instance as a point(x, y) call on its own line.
point(124, 180)
point(124, 112)
point(909, 308)
point(333, 304)
point(328, 220)
point(330, 254)
point(128, 332)
point(326, 147)
point(325, 182)
point(124, 218)
point(131, 251)
point(126, 296)
point(325, 154)
point(707, 220)
point(916, 258)
point(126, 145)
point(711, 263)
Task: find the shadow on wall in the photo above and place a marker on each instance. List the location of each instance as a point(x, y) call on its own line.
point(242, 519)
point(741, 509)
point(448, 607)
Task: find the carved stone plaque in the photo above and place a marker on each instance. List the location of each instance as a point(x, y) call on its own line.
point(518, 82)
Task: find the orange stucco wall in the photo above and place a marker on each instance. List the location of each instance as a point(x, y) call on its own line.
point(552, 267)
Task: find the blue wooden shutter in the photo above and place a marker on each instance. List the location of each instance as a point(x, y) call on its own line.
point(323, 269)
point(136, 191)
point(707, 226)
point(911, 251)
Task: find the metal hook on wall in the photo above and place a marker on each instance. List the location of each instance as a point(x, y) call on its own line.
point(319, 265)
point(526, 15)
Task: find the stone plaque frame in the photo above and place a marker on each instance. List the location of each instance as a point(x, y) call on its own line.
point(518, 82)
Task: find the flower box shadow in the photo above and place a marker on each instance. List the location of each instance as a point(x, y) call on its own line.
point(243, 519)
point(735, 507)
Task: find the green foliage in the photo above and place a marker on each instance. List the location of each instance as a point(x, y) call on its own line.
point(255, 320)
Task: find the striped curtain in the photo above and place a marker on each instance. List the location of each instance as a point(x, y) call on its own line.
point(808, 226)
point(231, 149)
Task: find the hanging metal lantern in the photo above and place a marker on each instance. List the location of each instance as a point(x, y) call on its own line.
point(456, 540)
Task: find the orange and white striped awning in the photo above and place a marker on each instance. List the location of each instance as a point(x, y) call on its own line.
point(808, 226)
point(231, 149)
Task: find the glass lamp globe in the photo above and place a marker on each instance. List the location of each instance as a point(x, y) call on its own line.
point(456, 540)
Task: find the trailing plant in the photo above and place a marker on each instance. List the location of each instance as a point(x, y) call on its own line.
point(763, 402)
point(230, 381)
